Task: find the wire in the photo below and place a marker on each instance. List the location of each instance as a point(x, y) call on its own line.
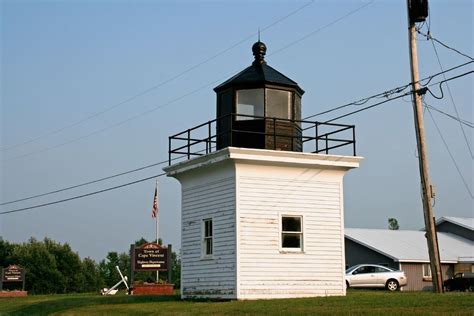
point(442, 72)
point(323, 27)
point(179, 98)
point(450, 154)
point(452, 78)
point(451, 98)
point(368, 107)
point(397, 97)
point(462, 121)
point(362, 101)
point(81, 196)
point(385, 93)
point(429, 37)
point(141, 168)
point(85, 183)
point(162, 83)
point(435, 96)
point(113, 125)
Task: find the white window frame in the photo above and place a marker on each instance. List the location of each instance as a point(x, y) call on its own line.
point(204, 238)
point(281, 232)
point(426, 271)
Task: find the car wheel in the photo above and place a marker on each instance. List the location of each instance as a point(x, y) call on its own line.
point(448, 288)
point(347, 285)
point(392, 285)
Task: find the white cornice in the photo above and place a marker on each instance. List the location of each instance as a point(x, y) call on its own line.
point(263, 156)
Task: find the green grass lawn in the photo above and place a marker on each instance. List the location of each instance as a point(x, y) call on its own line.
point(355, 303)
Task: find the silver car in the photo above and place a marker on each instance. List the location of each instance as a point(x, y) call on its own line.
point(373, 275)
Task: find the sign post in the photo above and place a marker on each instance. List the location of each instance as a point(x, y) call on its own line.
point(151, 257)
point(13, 274)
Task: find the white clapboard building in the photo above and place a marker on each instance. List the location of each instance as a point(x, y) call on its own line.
point(262, 198)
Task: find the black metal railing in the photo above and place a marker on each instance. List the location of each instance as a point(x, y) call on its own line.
point(304, 136)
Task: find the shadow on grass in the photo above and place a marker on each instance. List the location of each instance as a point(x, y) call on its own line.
point(66, 303)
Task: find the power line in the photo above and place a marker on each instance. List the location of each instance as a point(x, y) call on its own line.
point(81, 196)
point(429, 37)
point(397, 97)
point(462, 121)
point(450, 154)
point(85, 183)
point(368, 107)
point(323, 27)
point(452, 99)
point(386, 93)
point(179, 98)
point(162, 83)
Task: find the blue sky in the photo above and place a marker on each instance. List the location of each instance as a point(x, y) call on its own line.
point(64, 61)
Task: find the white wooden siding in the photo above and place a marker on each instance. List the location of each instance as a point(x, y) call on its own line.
point(245, 192)
point(264, 271)
point(214, 277)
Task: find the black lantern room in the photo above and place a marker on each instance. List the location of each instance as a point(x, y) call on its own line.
point(259, 108)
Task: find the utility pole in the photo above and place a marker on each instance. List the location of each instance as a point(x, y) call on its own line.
point(417, 12)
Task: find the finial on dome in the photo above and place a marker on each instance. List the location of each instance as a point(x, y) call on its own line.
point(259, 49)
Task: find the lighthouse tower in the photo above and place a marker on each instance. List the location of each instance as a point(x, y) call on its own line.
point(262, 193)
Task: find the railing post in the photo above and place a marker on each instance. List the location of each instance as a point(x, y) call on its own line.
point(169, 151)
point(208, 144)
point(189, 144)
point(274, 134)
point(292, 135)
point(316, 138)
point(231, 129)
point(327, 145)
point(354, 139)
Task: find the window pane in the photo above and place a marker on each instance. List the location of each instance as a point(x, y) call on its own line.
point(379, 269)
point(249, 102)
point(291, 240)
point(208, 228)
point(209, 246)
point(278, 104)
point(291, 224)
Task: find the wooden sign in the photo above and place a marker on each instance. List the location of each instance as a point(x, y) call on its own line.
point(150, 257)
point(13, 273)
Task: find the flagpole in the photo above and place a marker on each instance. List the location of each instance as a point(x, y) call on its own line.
point(157, 229)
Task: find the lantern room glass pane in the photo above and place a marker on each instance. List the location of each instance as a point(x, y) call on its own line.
point(249, 102)
point(278, 104)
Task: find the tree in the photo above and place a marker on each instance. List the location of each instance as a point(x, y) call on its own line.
point(393, 224)
point(92, 279)
point(69, 264)
point(42, 274)
point(6, 250)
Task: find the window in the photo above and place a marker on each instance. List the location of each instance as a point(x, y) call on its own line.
point(249, 102)
point(382, 270)
point(207, 248)
point(291, 233)
point(278, 104)
point(426, 271)
point(365, 269)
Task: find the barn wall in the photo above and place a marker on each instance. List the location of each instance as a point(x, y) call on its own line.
point(414, 273)
point(264, 194)
point(208, 193)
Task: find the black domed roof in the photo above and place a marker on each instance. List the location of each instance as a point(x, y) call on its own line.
point(259, 73)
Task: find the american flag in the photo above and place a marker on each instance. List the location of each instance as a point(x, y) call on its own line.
point(154, 211)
